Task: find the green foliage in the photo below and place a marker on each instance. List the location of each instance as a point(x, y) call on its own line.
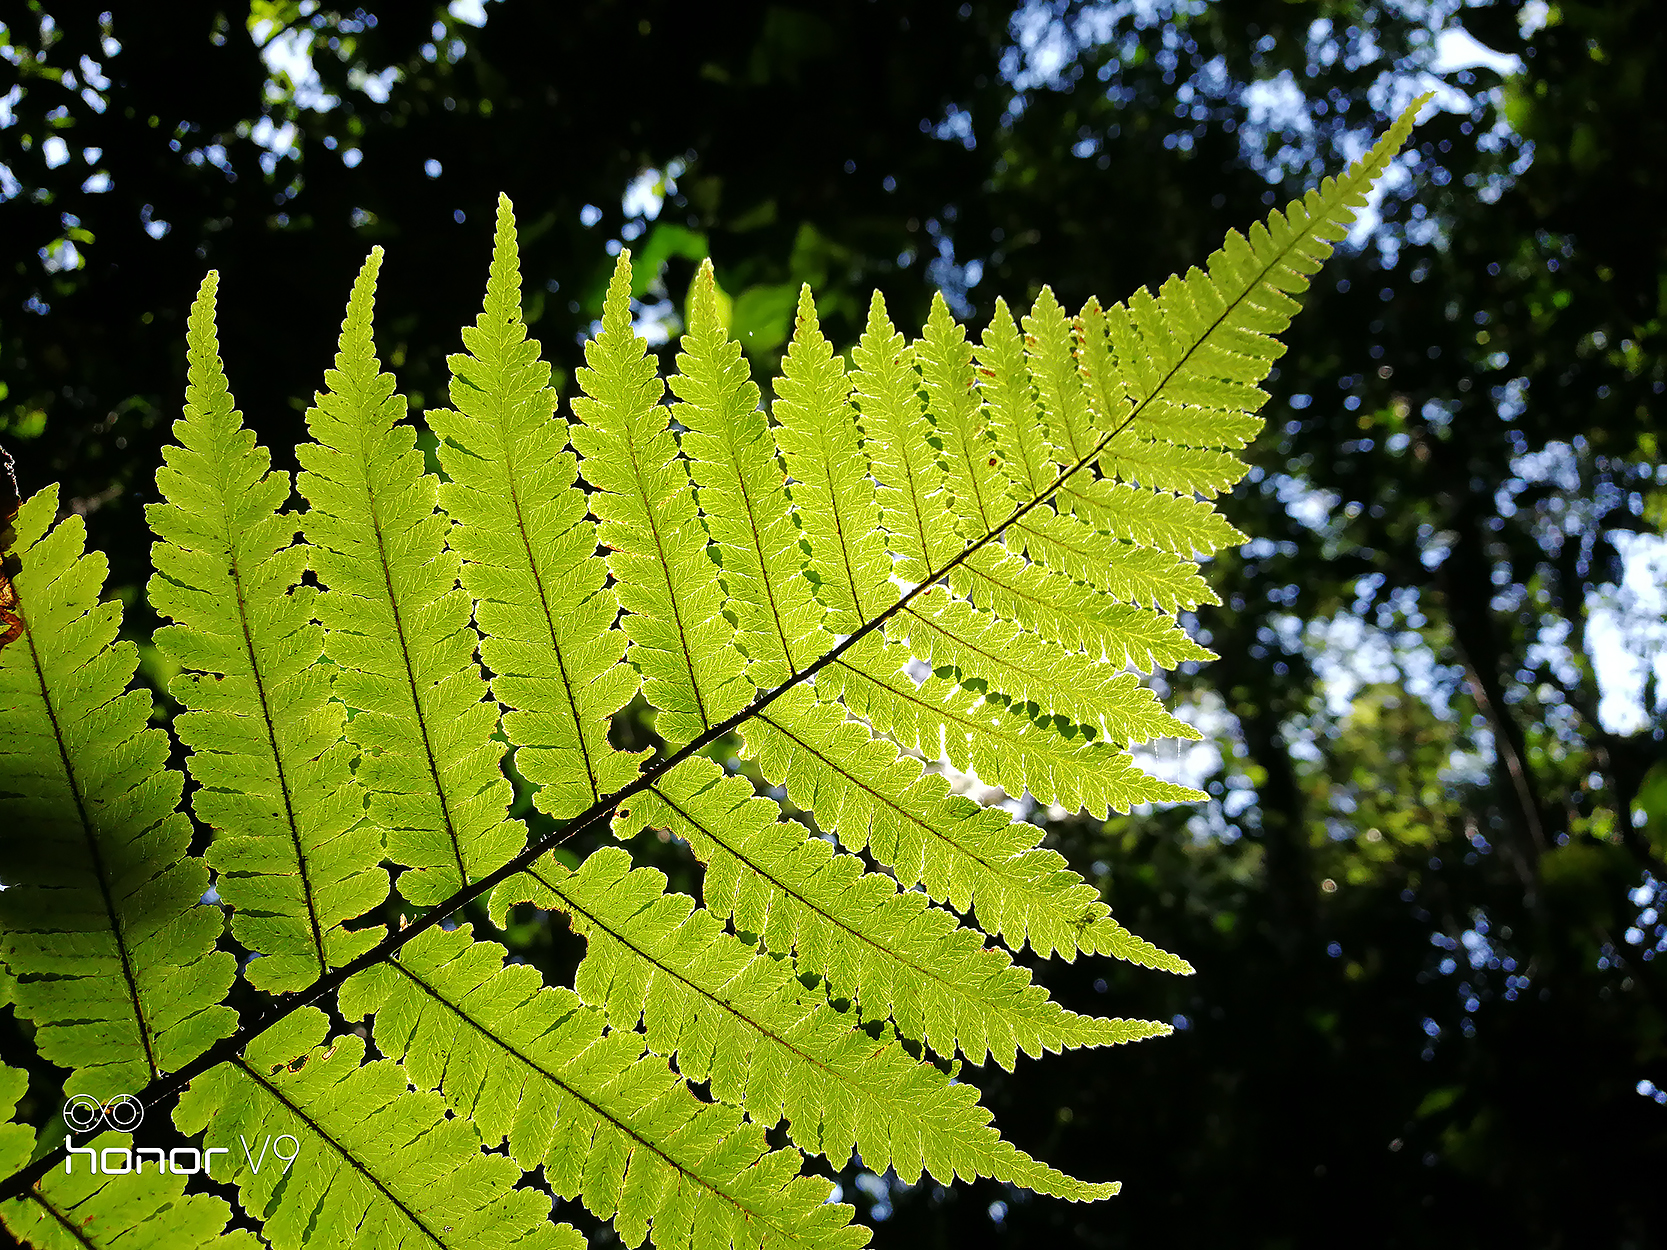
point(293, 856)
point(821, 614)
point(397, 627)
point(114, 963)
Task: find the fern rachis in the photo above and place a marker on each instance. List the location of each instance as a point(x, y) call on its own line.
point(1019, 513)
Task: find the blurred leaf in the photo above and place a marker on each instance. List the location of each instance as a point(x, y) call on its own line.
point(665, 240)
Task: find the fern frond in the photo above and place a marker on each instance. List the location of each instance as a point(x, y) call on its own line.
point(376, 1163)
point(909, 482)
point(610, 1125)
point(529, 554)
point(136, 1211)
point(743, 1021)
point(1011, 412)
point(1150, 518)
point(1206, 339)
point(977, 491)
point(892, 952)
point(1197, 426)
point(1003, 744)
point(1165, 466)
point(949, 633)
point(680, 640)
point(1051, 360)
point(832, 495)
point(396, 625)
point(1067, 612)
point(16, 1140)
point(293, 856)
point(86, 1209)
point(1107, 392)
point(113, 960)
point(1128, 573)
point(780, 584)
point(963, 853)
point(742, 492)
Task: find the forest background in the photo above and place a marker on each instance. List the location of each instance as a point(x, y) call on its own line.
point(1427, 896)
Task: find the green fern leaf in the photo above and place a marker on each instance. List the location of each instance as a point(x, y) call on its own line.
point(742, 491)
point(1205, 340)
point(611, 1126)
point(1002, 744)
point(396, 625)
point(1150, 518)
point(1165, 466)
point(1107, 392)
point(908, 481)
point(680, 640)
point(114, 960)
point(374, 1164)
point(949, 633)
point(1011, 411)
point(1128, 573)
point(963, 853)
point(1196, 426)
point(892, 952)
point(16, 1140)
point(833, 499)
point(88, 1209)
point(529, 554)
point(744, 1022)
point(137, 1211)
point(1051, 359)
point(1072, 614)
point(977, 490)
point(947, 556)
point(292, 855)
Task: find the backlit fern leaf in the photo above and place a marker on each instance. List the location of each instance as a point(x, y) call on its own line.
point(1013, 415)
point(748, 1025)
point(610, 1125)
point(1006, 745)
point(375, 1161)
point(529, 554)
point(1051, 361)
point(113, 960)
point(833, 498)
point(680, 640)
point(965, 854)
point(943, 559)
point(971, 466)
point(951, 633)
point(909, 481)
point(893, 953)
point(1059, 609)
point(742, 492)
point(396, 625)
point(294, 857)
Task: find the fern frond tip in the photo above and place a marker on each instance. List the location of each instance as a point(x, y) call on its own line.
point(703, 300)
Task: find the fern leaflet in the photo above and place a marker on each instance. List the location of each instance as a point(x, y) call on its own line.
point(767, 1045)
point(293, 857)
point(396, 626)
point(114, 961)
point(680, 640)
point(529, 554)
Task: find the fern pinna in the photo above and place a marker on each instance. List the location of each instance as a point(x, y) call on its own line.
point(946, 550)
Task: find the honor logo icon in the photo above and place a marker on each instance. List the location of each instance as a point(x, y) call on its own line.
point(85, 1114)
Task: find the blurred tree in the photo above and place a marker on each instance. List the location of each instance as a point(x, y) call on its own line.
point(1425, 896)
